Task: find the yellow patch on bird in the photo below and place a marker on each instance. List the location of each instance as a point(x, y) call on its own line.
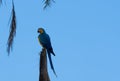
point(41, 31)
point(40, 42)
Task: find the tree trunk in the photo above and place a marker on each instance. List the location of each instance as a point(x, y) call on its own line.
point(43, 76)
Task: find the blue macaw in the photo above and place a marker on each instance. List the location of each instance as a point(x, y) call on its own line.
point(45, 42)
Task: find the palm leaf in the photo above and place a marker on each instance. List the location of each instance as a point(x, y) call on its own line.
point(12, 31)
point(47, 3)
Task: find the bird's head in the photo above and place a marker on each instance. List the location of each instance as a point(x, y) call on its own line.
point(41, 30)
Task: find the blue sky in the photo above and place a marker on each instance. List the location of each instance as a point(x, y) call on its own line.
point(85, 36)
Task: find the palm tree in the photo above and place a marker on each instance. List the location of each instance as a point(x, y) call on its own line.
point(12, 32)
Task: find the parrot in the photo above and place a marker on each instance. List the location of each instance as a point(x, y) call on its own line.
point(45, 42)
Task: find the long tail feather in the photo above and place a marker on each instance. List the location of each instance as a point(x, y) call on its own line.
point(51, 64)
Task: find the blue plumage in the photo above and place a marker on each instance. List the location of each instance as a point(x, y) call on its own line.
point(44, 40)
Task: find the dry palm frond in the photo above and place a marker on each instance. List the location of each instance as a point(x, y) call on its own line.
point(0, 2)
point(12, 31)
point(47, 3)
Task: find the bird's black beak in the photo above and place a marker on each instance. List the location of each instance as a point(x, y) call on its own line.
point(38, 31)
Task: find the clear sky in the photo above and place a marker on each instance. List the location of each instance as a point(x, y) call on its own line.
point(85, 36)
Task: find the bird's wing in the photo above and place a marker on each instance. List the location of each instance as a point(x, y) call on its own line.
point(48, 42)
point(49, 46)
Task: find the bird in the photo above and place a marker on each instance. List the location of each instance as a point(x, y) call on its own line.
point(45, 42)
